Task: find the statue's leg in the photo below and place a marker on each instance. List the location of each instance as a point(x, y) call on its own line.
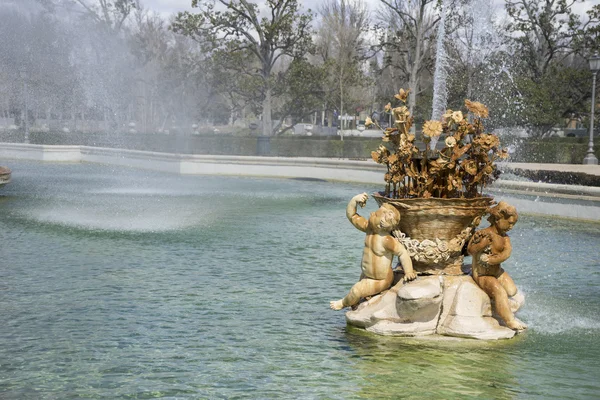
point(497, 293)
point(507, 283)
point(363, 288)
point(367, 287)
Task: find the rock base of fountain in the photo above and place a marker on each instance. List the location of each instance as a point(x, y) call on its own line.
point(433, 305)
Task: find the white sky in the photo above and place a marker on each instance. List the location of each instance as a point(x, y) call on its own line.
point(168, 7)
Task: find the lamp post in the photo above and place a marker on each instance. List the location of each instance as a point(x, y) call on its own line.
point(590, 158)
point(25, 116)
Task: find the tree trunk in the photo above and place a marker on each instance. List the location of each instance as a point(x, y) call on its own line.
point(341, 123)
point(412, 98)
point(470, 78)
point(266, 114)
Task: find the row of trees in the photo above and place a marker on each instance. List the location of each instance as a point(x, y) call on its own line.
point(114, 62)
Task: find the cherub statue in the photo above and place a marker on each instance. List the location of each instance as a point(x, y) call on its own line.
point(490, 247)
point(380, 247)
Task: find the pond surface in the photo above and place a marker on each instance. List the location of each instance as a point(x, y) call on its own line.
point(121, 283)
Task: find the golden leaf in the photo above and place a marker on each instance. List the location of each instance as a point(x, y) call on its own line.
point(402, 95)
point(470, 166)
point(477, 108)
point(375, 156)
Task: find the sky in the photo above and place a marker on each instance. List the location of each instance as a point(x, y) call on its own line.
point(168, 7)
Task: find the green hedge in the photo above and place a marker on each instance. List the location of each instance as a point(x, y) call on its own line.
point(552, 150)
point(561, 177)
point(218, 144)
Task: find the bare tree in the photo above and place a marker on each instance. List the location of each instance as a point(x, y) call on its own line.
point(342, 44)
point(410, 34)
point(109, 14)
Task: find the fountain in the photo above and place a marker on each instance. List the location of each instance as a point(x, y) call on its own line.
point(438, 201)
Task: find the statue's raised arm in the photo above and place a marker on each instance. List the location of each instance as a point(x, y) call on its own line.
point(351, 211)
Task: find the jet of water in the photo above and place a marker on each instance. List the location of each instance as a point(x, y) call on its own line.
point(440, 76)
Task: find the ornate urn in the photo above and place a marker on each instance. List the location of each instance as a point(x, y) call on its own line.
point(434, 231)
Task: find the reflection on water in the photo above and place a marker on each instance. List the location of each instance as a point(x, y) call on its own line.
point(428, 368)
point(121, 283)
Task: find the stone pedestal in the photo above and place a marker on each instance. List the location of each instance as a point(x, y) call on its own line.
point(437, 304)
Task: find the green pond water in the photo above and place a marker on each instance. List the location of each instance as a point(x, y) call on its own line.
point(121, 283)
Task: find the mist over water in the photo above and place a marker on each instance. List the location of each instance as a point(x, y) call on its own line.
point(85, 70)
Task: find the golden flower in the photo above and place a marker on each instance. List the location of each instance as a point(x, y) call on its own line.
point(457, 116)
point(392, 159)
point(503, 154)
point(387, 178)
point(488, 169)
point(402, 95)
point(470, 166)
point(486, 141)
point(387, 107)
point(450, 141)
point(368, 122)
point(447, 115)
point(432, 129)
point(477, 108)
